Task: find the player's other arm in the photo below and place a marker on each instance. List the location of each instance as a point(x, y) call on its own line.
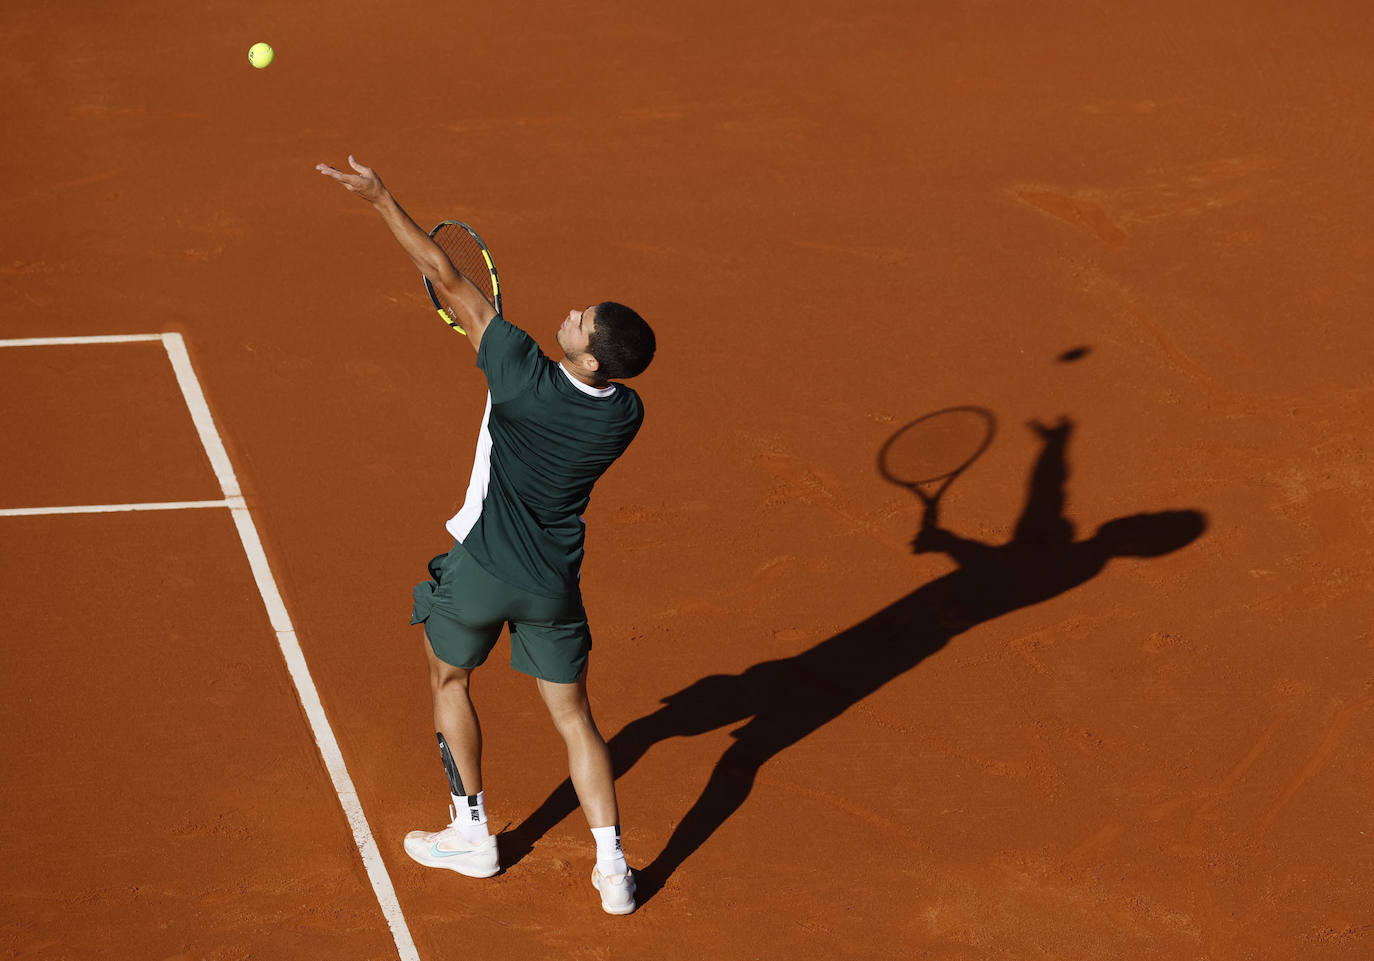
point(452, 286)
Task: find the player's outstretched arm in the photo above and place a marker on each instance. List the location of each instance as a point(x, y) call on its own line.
point(424, 252)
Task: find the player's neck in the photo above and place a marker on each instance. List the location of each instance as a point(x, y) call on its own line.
point(589, 379)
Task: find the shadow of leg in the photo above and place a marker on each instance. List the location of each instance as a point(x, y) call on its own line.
point(626, 749)
point(725, 792)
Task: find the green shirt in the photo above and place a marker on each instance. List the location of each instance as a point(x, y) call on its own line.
point(545, 439)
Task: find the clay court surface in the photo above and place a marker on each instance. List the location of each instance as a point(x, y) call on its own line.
point(1143, 227)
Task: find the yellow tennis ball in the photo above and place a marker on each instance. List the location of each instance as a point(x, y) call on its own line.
point(261, 55)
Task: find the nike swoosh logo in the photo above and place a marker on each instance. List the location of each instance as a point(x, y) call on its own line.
point(435, 852)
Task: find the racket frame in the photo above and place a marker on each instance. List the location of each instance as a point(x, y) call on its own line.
point(944, 480)
point(494, 299)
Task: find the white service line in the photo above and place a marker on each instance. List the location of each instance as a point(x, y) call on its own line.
point(63, 341)
point(113, 508)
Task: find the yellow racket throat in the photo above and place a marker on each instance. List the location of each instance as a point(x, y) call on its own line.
point(443, 315)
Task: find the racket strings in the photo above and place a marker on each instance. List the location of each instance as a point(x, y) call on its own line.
point(467, 257)
point(936, 447)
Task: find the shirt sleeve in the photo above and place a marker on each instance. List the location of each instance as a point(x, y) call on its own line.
point(510, 358)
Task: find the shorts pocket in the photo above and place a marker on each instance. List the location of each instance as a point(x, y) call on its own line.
point(423, 593)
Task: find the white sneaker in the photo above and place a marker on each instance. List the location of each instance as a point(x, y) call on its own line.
point(617, 891)
point(449, 849)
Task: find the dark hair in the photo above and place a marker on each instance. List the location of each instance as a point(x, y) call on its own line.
point(622, 343)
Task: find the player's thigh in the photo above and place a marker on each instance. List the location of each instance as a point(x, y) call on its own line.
point(441, 672)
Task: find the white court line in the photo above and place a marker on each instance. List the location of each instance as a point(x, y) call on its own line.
point(112, 508)
point(272, 601)
point(60, 341)
point(291, 650)
point(200, 414)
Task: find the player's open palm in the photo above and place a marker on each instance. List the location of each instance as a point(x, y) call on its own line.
point(365, 183)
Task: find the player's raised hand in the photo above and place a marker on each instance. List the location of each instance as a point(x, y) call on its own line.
point(365, 183)
point(1060, 428)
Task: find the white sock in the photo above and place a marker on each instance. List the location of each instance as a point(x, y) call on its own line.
point(610, 859)
point(470, 815)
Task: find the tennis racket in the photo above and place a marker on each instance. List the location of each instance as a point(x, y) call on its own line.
point(470, 258)
point(927, 454)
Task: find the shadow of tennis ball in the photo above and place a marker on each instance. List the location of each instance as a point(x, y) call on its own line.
point(1074, 353)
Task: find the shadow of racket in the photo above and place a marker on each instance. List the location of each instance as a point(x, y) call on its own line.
point(928, 454)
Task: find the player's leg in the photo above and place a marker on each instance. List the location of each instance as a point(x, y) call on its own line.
point(551, 642)
point(589, 766)
point(457, 727)
point(459, 633)
point(589, 761)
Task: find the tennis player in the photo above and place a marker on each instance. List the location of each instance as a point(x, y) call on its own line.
point(550, 430)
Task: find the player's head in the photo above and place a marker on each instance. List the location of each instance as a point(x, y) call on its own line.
point(1150, 535)
point(622, 343)
point(615, 338)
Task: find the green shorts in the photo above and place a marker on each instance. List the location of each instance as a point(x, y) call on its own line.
point(464, 608)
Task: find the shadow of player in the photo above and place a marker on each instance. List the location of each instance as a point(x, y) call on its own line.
point(777, 703)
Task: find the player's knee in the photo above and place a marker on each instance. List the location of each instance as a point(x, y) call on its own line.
point(573, 720)
point(448, 680)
